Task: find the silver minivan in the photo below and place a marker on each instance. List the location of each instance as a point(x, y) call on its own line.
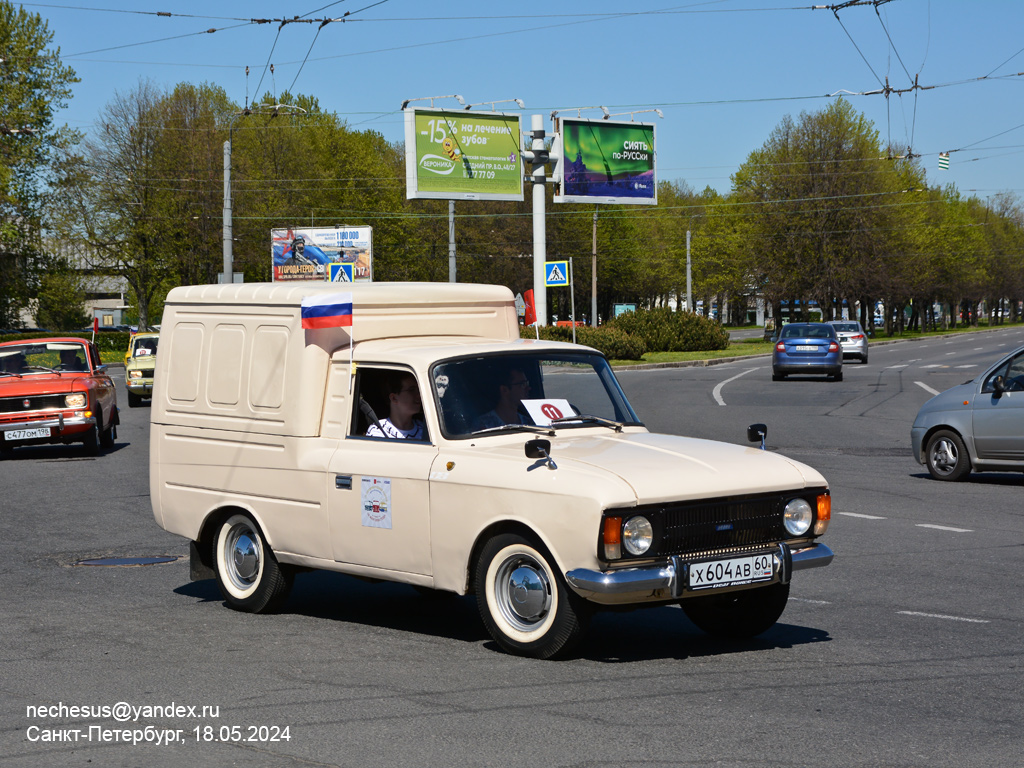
point(978, 425)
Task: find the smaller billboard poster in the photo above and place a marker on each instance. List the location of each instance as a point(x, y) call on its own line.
point(461, 155)
point(603, 161)
point(307, 253)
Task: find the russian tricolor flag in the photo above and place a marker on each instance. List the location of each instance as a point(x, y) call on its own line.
point(331, 310)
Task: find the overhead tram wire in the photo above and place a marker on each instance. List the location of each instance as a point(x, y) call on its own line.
point(159, 40)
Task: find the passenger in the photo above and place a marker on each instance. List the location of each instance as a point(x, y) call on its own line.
point(405, 406)
point(513, 387)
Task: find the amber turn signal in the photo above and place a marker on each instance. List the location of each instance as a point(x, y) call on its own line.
point(824, 514)
point(611, 536)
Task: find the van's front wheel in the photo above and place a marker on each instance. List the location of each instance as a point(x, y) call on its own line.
point(525, 605)
point(248, 574)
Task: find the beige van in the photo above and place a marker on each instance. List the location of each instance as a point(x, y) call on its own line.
point(428, 444)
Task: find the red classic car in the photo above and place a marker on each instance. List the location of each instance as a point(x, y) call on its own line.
point(55, 391)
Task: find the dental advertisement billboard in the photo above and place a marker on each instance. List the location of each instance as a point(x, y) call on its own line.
point(463, 155)
point(603, 161)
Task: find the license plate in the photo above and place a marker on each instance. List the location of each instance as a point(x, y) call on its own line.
point(26, 434)
point(736, 570)
point(806, 348)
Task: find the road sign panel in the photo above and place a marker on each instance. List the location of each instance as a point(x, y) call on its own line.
point(339, 273)
point(556, 273)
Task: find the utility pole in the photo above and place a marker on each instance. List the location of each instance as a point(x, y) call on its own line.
point(689, 294)
point(227, 276)
point(538, 157)
point(593, 276)
point(451, 241)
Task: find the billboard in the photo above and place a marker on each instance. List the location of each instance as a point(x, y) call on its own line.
point(460, 155)
point(602, 161)
point(305, 253)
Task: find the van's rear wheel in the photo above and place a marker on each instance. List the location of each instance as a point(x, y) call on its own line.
point(523, 601)
point(738, 615)
point(248, 574)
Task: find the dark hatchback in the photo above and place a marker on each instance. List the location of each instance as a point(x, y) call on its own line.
point(807, 348)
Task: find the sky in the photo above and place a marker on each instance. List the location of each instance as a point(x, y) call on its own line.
point(724, 73)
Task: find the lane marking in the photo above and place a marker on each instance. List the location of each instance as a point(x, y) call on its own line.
point(972, 365)
point(926, 388)
point(941, 616)
point(717, 391)
point(812, 602)
point(945, 528)
point(865, 517)
point(894, 367)
point(934, 365)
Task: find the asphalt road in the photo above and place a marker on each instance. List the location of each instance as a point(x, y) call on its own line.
point(906, 651)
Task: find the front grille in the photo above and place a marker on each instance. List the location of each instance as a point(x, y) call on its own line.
point(712, 525)
point(690, 528)
point(36, 403)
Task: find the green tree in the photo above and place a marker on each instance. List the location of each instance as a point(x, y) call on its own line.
point(821, 186)
point(61, 297)
point(34, 85)
point(112, 201)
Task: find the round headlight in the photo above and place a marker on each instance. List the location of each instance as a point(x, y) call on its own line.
point(637, 535)
point(75, 400)
point(798, 517)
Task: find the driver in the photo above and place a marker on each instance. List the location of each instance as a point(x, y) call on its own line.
point(403, 420)
point(70, 361)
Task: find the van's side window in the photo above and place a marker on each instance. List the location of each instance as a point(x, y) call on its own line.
point(389, 406)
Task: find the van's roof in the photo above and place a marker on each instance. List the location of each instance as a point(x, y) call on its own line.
point(379, 310)
point(363, 294)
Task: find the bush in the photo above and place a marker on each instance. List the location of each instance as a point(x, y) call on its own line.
point(613, 343)
point(663, 330)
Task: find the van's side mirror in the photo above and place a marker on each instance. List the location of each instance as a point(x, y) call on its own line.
point(757, 433)
point(540, 449)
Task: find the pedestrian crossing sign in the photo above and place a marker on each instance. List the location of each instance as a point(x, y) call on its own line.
point(339, 273)
point(556, 274)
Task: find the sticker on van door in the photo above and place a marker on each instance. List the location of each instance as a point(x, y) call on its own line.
point(376, 502)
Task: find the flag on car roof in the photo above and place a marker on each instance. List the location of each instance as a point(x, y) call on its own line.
point(327, 310)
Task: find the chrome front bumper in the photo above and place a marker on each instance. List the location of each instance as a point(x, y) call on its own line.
point(60, 423)
point(668, 581)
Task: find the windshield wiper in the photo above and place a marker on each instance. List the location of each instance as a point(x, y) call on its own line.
point(10, 373)
point(616, 425)
point(516, 428)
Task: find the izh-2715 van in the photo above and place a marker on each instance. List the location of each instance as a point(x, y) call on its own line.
point(524, 476)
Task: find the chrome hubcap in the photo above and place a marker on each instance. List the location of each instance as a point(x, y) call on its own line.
point(244, 557)
point(527, 593)
point(523, 592)
point(944, 457)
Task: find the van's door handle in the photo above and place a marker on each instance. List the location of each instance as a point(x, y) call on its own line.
point(343, 482)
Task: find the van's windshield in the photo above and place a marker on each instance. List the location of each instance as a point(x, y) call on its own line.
point(499, 393)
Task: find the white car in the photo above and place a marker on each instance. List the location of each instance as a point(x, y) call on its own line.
point(852, 338)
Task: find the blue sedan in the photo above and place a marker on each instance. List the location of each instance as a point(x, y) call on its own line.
point(807, 348)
